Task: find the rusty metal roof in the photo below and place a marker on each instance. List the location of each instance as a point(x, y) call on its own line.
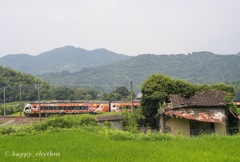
point(216, 115)
point(206, 107)
point(205, 99)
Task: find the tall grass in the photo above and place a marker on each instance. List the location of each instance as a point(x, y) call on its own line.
point(85, 145)
point(83, 140)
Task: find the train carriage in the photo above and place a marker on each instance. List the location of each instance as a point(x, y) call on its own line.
point(48, 108)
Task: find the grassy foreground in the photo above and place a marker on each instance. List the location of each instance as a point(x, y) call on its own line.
point(85, 145)
point(79, 138)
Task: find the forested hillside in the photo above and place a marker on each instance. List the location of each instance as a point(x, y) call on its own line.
point(67, 58)
point(13, 81)
point(198, 67)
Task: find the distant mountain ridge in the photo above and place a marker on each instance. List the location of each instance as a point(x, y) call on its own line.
point(106, 70)
point(66, 58)
point(198, 67)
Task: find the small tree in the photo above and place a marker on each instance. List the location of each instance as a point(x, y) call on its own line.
point(132, 120)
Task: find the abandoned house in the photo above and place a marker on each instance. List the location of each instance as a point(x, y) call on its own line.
point(203, 113)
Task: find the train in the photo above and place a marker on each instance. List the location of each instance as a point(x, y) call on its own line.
point(77, 107)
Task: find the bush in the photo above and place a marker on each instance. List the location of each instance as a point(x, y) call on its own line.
point(60, 122)
point(7, 130)
point(108, 124)
point(132, 120)
point(25, 130)
point(40, 126)
point(88, 121)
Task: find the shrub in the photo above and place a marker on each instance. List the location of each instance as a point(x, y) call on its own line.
point(132, 120)
point(88, 121)
point(25, 130)
point(40, 126)
point(60, 122)
point(7, 130)
point(108, 124)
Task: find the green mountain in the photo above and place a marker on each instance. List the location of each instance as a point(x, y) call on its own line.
point(13, 80)
point(198, 67)
point(67, 58)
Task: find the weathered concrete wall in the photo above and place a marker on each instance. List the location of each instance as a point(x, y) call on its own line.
point(177, 126)
point(117, 124)
point(220, 128)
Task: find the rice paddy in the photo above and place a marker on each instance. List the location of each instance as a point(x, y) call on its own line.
point(88, 145)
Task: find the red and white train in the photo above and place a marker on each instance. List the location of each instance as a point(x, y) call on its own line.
point(47, 108)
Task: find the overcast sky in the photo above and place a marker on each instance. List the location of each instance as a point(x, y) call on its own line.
point(129, 27)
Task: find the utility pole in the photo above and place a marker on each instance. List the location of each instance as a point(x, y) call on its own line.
point(4, 101)
point(20, 96)
point(131, 93)
point(39, 103)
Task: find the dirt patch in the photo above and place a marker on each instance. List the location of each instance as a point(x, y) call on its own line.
point(18, 120)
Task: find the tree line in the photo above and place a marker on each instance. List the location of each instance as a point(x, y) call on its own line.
point(12, 83)
point(30, 93)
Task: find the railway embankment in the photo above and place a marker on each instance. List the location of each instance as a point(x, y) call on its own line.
point(16, 120)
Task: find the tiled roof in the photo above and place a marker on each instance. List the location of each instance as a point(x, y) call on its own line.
point(205, 99)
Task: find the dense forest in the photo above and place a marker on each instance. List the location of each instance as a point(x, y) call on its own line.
point(197, 68)
point(101, 82)
point(14, 82)
point(105, 70)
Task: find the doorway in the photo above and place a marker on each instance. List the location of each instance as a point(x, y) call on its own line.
point(199, 128)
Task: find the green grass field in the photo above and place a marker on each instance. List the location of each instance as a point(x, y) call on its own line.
point(86, 145)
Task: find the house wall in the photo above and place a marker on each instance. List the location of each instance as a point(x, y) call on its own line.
point(177, 126)
point(220, 128)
